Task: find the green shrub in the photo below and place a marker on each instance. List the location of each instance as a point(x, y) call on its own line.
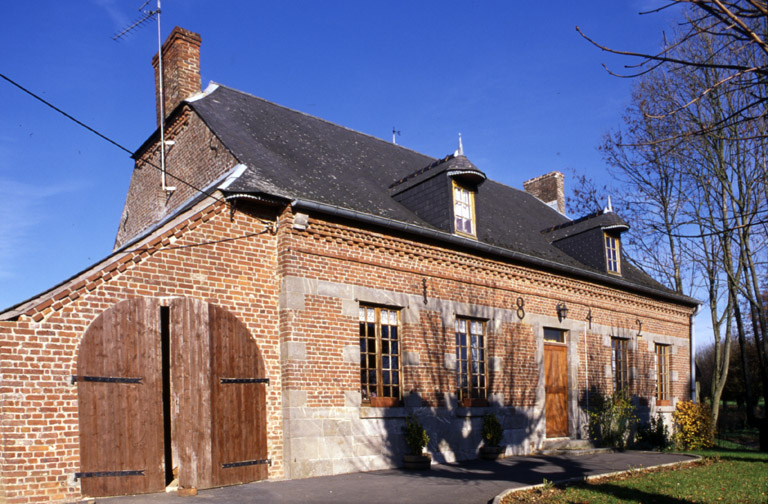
point(611, 419)
point(492, 431)
point(653, 435)
point(415, 435)
point(695, 429)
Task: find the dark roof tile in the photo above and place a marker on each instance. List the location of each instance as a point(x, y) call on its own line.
point(296, 156)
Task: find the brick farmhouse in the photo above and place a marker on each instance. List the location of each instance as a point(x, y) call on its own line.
point(284, 292)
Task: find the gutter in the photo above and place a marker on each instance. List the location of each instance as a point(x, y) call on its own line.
point(459, 241)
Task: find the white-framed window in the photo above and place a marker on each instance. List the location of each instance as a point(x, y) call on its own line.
point(472, 382)
point(379, 355)
point(463, 210)
point(662, 375)
point(613, 254)
point(620, 364)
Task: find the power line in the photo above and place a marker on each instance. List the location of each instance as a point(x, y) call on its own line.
point(104, 137)
point(269, 229)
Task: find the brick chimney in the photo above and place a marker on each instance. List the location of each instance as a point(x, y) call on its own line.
point(549, 188)
point(181, 69)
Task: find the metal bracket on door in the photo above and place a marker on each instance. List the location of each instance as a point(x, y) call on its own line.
point(246, 463)
point(244, 380)
point(107, 474)
point(104, 379)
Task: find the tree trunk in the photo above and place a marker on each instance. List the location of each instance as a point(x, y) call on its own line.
point(749, 396)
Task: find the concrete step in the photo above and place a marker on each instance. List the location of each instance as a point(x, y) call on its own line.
point(566, 446)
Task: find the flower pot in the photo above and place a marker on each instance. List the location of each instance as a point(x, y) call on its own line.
point(385, 402)
point(468, 402)
point(417, 462)
point(491, 452)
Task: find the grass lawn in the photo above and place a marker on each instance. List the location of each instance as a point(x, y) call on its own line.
point(728, 473)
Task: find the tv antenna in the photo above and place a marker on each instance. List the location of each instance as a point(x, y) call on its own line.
point(149, 14)
point(395, 133)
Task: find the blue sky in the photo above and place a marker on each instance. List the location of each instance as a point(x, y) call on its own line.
point(527, 93)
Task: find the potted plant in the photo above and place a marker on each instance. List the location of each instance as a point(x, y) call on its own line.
point(477, 402)
point(492, 433)
point(416, 438)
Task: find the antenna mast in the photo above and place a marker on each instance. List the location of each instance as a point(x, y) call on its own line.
point(394, 133)
point(148, 15)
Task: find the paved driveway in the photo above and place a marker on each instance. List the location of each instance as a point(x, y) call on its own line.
point(473, 482)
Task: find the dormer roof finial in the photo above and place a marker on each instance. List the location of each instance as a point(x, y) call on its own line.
point(609, 208)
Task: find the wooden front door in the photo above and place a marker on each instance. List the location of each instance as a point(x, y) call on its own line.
point(198, 410)
point(556, 387)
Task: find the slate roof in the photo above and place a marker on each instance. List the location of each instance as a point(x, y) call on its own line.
point(296, 156)
point(452, 164)
point(601, 219)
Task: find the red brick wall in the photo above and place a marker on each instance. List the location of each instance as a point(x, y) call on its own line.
point(39, 418)
point(198, 158)
point(333, 252)
point(242, 274)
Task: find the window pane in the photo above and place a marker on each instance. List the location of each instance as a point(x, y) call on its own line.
point(554, 335)
point(470, 359)
point(379, 352)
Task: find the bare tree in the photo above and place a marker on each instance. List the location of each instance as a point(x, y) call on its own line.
point(735, 26)
point(693, 179)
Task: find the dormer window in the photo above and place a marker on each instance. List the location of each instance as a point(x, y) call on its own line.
point(463, 210)
point(613, 254)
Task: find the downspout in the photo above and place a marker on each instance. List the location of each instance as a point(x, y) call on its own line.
point(692, 352)
point(586, 363)
point(586, 369)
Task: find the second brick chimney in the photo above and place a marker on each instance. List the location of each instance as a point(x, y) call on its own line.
point(549, 188)
point(181, 69)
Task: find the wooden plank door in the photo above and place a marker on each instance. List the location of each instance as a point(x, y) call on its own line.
point(238, 400)
point(212, 411)
point(556, 387)
point(190, 395)
point(218, 400)
point(120, 402)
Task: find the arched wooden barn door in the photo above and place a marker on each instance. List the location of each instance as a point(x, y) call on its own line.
point(163, 390)
point(239, 419)
point(219, 415)
point(119, 388)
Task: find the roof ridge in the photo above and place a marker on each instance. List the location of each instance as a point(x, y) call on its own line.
point(264, 100)
point(592, 215)
point(423, 170)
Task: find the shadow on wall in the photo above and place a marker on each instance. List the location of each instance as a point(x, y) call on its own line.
point(431, 393)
